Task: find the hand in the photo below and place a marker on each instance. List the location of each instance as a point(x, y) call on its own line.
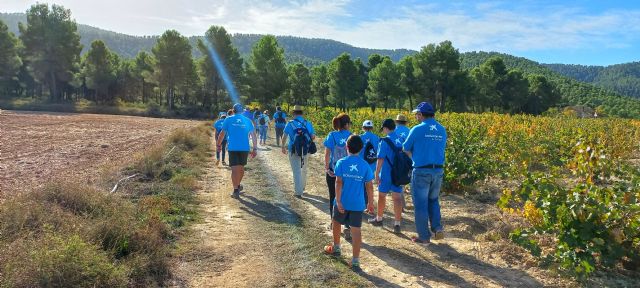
point(377, 180)
point(254, 153)
point(340, 208)
point(370, 208)
point(330, 172)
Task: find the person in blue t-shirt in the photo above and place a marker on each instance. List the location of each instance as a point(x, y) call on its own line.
point(335, 148)
point(299, 164)
point(280, 117)
point(386, 157)
point(401, 127)
point(352, 173)
point(218, 127)
point(426, 145)
point(369, 137)
point(263, 127)
point(239, 129)
point(256, 116)
point(247, 113)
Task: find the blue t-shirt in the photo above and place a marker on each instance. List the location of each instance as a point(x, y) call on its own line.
point(374, 139)
point(275, 118)
point(238, 127)
point(385, 152)
point(402, 132)
point(354, 172)
point(248, 114)
point(336, 138)
point(427, 142)
point(297, 122)
point(218, 126)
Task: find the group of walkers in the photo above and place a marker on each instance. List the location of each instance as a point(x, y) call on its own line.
point(353, 164)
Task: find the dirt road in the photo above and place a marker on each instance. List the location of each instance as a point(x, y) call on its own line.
point(38, 146)
point(269, 238)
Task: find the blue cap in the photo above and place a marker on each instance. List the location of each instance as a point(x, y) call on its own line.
point(237, 107)
point(424, 108)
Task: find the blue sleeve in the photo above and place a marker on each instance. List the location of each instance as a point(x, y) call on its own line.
point(408, 143)
point(287, 128)
point(328, 142)
point(369, 174)
point(251, 127)
point(310, 128)
point(381, 151)
point(338, 169)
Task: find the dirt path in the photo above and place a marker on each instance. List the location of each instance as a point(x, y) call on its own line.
point(269, 238)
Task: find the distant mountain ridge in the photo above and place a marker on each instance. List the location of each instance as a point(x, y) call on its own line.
point(621, 78)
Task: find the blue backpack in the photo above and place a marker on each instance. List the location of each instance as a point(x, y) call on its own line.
point(302, 142)
point(402, 166)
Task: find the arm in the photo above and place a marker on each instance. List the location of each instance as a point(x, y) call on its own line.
point(327, 159)
point(339, 194)
point(254, 139)
point(284, 146)
point(220, 139)
point(369, 189)
point(409, 154)
point(379, 164)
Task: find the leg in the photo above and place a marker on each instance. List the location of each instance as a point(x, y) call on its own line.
point(336, 229)
point(434, 203)
point(295, 161)
point(356, 241)
point(236, 175)
point(382, 202)
point(303, 174)
point(331, 185)
point(420, 183)
point(224, 149)
point(397, 206)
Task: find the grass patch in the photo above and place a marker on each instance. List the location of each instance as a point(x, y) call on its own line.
point(76, 235)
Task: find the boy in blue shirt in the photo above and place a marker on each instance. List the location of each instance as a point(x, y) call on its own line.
point(386, 157)
point(352, 173)
point(218, 126)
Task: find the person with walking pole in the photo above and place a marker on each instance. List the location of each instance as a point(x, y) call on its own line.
point(300, 134)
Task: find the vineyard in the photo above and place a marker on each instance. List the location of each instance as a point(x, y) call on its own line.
point(574, 197)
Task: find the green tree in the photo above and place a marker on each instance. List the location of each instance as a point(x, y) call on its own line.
point(384, 85)
point(320, 85)
point(360, 97)
point(514, 91)
point(486, 78)
point(267, 73)
point(343, 81)
point(9, 60)
point(299, 83)
point(51, 46)
point(142, 72)
point(408, 79)
point(173, 63)
point(542, 96)
point(100, 70)
point(217, 40)
point(438, 65)
point(374, 60)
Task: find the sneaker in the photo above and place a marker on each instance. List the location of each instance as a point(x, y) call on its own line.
point(331, 250)
point(355, 267)
point(396, 229)
point(298, 196)
point(439, 235)
point(235, 194)
point(374, 221)
point(240, 188)
point(224, 163)
point(347, 234)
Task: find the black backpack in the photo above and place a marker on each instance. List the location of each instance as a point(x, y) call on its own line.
point(302, 142)
point(262, 121)
point(280, 119)
point(370, 153)
point(402, 166)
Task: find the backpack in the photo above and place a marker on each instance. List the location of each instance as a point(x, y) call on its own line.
point(280, 119)
point(262, 121)
point(337, 152)
point(402, 166)
point(370, 153)
point(302, 142)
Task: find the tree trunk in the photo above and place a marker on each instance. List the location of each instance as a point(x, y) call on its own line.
point(53, 88)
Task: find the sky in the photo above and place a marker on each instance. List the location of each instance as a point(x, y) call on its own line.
point(599, 32)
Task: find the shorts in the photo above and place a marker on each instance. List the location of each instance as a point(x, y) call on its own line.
point(238, 158)
point(349, 218)
point(385, 186)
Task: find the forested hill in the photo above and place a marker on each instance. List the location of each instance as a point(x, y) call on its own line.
point(308, 51)
point(573, 92)
point(621, 78)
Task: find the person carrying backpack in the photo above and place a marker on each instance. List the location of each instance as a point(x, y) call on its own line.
point(389, 150)
point(335, 149)
point(263, 125)
point(370, 151)
point(218, 127)
point(301, 135)
point(426, 145)
point(280, 117)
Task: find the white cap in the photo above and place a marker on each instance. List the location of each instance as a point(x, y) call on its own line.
point(367, 123)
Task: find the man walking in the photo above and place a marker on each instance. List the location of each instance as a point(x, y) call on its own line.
point(281, 121)
point(426, 145)
point(239, 128)
point(298, 127)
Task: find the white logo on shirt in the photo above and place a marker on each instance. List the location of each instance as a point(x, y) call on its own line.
point(398, 141)
point(239, 121)
point(403, 134)
point(343, 140)
point(353, 167)
point(433, 127)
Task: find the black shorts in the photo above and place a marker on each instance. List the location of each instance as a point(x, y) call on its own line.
point(351, 218)
point(238, 158)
